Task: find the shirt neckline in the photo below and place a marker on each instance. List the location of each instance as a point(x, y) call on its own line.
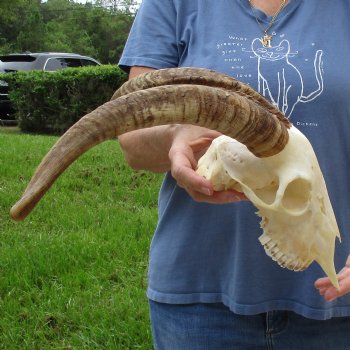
point(263, 17)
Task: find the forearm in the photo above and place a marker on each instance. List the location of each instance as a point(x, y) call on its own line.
point(148, 149)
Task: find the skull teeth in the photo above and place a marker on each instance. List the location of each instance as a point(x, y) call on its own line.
point(284, 259)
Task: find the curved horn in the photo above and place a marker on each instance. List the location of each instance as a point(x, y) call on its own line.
point(197, 76)
point(210, 107)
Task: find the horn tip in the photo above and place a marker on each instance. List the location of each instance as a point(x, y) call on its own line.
point(18, 212)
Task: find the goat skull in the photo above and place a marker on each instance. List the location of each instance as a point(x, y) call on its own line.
point(290, 193)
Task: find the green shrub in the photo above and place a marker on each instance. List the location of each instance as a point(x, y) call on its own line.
point(51, 102)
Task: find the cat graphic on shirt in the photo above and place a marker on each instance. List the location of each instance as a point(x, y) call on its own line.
point(284, 75)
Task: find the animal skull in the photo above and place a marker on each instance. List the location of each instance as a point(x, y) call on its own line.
point(290, 193)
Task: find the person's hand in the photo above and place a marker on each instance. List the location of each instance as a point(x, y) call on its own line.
point(189, 144)
point(328, 291)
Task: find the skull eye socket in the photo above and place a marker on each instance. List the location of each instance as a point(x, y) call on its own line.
point(297, 195)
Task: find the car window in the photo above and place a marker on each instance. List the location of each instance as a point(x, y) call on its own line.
point(85, 62)
point(72, 62)
point(13, 63)
point(53, 64)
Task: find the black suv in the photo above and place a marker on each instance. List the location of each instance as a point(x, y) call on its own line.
point(45, 61)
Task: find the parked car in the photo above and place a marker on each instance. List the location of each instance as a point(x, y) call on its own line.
point(44, 61)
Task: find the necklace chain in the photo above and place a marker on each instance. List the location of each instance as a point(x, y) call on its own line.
point(266, 39)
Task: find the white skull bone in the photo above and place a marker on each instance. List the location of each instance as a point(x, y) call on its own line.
point(289, 190)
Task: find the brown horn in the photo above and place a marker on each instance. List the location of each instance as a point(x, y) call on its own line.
point(210, 107)
point(197, 76)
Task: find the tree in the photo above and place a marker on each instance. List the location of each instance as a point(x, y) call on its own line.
point(99, 30)
point(32, 29)
point(10, 20)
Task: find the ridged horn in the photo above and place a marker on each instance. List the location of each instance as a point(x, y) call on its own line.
point(211, 107)
point(197, 76)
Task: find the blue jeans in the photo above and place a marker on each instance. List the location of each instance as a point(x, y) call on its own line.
point(215, 327)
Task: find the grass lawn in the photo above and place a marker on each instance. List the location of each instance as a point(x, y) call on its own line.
point(73, 274)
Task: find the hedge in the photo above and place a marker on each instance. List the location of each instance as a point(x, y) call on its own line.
point(50, 102)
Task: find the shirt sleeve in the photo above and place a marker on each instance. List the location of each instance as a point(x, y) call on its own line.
point(152, 39)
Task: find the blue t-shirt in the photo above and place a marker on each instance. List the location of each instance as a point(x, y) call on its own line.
point(211, 253)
